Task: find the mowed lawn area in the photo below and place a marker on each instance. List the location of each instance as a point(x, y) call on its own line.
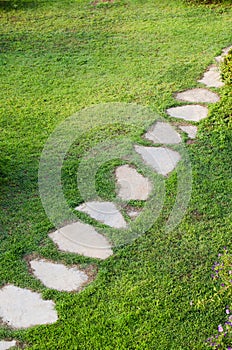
point(60, 57)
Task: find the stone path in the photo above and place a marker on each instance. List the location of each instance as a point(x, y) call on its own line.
point(28, 308)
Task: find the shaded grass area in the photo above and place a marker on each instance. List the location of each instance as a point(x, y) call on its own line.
point(62, 57)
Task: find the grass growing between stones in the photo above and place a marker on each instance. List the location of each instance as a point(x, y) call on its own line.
point(60, 57)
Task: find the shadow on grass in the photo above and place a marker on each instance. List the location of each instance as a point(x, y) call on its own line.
point(17, 4)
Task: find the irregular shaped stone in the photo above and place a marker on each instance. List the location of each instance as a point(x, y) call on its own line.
point(82, 239)
point(58, 276)
point(105, 212)
point(133, 213)
point(133, 186)
point(190, 130)
point(163, 133)
point(22, 308)
point(4, 344)
point(162, 160)
point(197, 95)
point(211, 77)
point(225, 52)
point(189, 112)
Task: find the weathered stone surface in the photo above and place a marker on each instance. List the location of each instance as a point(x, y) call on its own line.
point(163, 133)
point(191, 130)
point(4, 344)
point(22, 308)
point(58, 276)
point(133, 214)
point(225, 52)
point(82, 239)
point(162, 160)
point(105, 212)
point(198, 95)
point(132, 185)
point(211, 77)
point(189, 112)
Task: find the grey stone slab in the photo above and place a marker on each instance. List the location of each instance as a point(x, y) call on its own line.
point(189, 112)
point(164, 133)
point(132, 185)
point(191, 130)
point(197, 95)
point(58, 276)
point(162, 160)
point(22, 308)
point(133, 213)
point(225, 52)
point(212, 78)
point(105, 212)
point(82, 239)
point(4, 344)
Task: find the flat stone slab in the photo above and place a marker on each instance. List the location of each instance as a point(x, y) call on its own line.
point(189, 112)
point(162, 132)
point(82, 239)
point(133, 214)
point(191, 130)
point(22, 308)
point(132, 185)
point(162, 160)
point(197, 95)
point(211, 77)
point(58, 276)
point(225, 52)
point(4, 344)
point(105, 212)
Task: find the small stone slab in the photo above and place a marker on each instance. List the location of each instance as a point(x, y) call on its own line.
point(105, 212)
point(22, 308)
point(197, 95)
point(82, 239)
point(133, 186)
point(211, 77)
point(189, 112)
point(4, 344)
point(163, 133)
point(225, 52)
point(162, 160)
point(191, 130)
point(133, 214)
point(58, 276)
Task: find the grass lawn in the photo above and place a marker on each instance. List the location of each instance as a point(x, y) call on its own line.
point(58, 58)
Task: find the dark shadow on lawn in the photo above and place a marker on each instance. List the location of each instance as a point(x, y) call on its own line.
point(17, 4)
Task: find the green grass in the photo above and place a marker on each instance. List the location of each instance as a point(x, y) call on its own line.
point(59, 57)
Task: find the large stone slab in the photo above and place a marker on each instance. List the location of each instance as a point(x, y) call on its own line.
point(22, 308)
point(163, 133)
point(82, 239)
point(197, 95)
point(191, 130)
point(58, 276)
point(105, 212)
point(4, 344)
point(162, 160)
point(189, 112)
point(132, 185)
point(211, 77)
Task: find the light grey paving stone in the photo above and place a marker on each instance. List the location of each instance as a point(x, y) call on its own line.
point(225, 52)
point(82, 239)
point(162, 132)
point(162, 160)
point(211, 77)
point(191, 130)
point(22, 308)
point(197, 95)
point(133, 213)
point(132, 185)
point(58, 276)
point(105, 212)
point(189, 112)
point(4, 344)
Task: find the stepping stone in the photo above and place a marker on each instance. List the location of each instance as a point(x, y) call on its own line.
point(189, 112)
point(190, 130)
point(162, 160)
point(225, 52)
point(82, 239)
point(133, 186)
point(212, 78)
point(197, 95)
point(4, 345)
point(163, 133)
point(105, 212)
point(133, 213)
point(22, 308)
point(58, 276)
